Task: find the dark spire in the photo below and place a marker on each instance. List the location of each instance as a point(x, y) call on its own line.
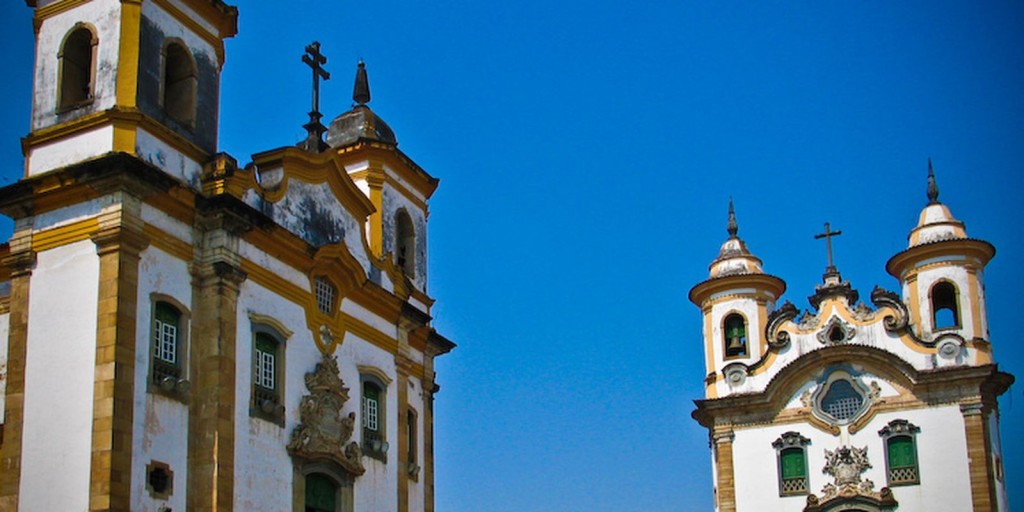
point(933, 188)
point(732, 227)
point(361, 92)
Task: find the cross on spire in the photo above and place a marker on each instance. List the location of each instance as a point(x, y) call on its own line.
point(315, 60)
point(827, 235)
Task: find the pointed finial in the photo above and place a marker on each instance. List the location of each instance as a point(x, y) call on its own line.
point(933, 188)
point(361, 92)
point(732, 227)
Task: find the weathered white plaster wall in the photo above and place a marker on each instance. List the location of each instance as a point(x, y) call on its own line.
point(105, 18)
point(59, 378)
point(263, 467)
point(941, 448)
point(76, 148)
point(160, 423)
point(747, 308)
point(70, 214)
point(392, 202)
point(352, 308)
point(166, 223)
point(163, 156)
point(173, 28)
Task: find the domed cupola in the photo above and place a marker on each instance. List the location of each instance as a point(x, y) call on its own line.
point(735, 302)
point(360, 122)
point(941, 273)
point(734, 258)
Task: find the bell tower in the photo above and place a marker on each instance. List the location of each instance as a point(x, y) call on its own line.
point(942, 278)
point(140, 77)
point(735, 303)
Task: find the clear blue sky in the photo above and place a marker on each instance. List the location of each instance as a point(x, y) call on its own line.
point(587, 151)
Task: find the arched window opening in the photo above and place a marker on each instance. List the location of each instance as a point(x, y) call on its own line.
point(166, 345)
point(374, 411)
point(76, 69)
point(901, 452)
point(321, 493)
point(735, 336)
point(790, 449)
point(411, 444)
point(842, 401)
point(405, 243)
point(945, 313)
point(179, 86)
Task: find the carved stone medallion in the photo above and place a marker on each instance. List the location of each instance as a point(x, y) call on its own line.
point(323, 432)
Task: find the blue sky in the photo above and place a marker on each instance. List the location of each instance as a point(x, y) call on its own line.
point(587, 152)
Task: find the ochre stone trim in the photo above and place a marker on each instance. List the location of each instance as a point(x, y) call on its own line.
point(113, 395)
point(725, 470)
point(979, 457)
point(63, 235)
point(403, 439)
point(21, 264)
point(211, 445)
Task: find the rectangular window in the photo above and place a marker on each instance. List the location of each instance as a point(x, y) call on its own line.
point(266, 353)
point(168, 351)
point(370, 406)
point(902, 460)
point(324, 295)
point(267, 368)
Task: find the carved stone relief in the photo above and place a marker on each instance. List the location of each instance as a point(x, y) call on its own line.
point(323, 433)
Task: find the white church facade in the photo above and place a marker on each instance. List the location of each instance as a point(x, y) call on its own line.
point(848, 407)
point(181, 332)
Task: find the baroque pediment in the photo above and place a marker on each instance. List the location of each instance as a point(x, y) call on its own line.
point(324, 432)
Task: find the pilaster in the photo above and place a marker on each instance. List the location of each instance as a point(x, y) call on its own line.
point(21, 261)
point(403, 366)
point(979, 458)
point(119, 241)
point(723, 438)
point(216, 278)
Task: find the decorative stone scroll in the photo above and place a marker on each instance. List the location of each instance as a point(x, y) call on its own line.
point(323, 433)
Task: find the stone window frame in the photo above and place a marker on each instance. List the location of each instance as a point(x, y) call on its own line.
point(186, 98)
point(64, 105)
point(825, 386)
point(725, 335)
point(345, 482)
point(951, 303)
point(178, 389)
point(412, 437)
point(405, 237)
point(901, 429)
point(152, 468)
point(268, 404)
point(374, 441)
point(790, 442)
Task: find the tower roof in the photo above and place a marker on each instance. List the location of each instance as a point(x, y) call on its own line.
point(935, 223)
point(734, 257)
point(360, 122)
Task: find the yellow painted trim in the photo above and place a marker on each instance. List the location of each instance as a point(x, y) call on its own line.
point(369, 333)
point(128, 53)
point(49, 11)
point(974, 296)
point(275, 283)
point(375, 182)
point(376, 372)
point(395, 185)
point(63, 235)
point(124, 137)
point(168, 243)
point(372, 150)
point(762, 320)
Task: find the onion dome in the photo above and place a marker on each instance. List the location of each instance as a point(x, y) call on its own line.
point(734, 258)
point(360, 122)
point(935, 223)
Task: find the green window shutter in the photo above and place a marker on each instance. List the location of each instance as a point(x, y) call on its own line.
point(265, 343)
point(166, 313)
point(321, 493)
point(793, 463)
point(901, 452)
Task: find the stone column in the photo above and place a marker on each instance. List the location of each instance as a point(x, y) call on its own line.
point(21, 260)
point(979, 457)
point(119, 242)
point(216, 279)
point(722, 438)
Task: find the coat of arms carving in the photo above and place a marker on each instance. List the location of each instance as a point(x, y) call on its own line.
point(323, 432)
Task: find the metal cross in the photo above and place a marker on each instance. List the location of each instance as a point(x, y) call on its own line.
point(315, 60)
point(827, 235)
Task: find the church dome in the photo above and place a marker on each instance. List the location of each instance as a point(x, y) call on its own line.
point(734, 257)
point(360, 122)
point(935, 223)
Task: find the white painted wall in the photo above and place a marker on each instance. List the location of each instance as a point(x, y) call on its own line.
point(105, 18)
point(76, 148)
point(163, 156)
point(160, 423)
point(942, 455)
point(59, 379)
point(173, 28)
